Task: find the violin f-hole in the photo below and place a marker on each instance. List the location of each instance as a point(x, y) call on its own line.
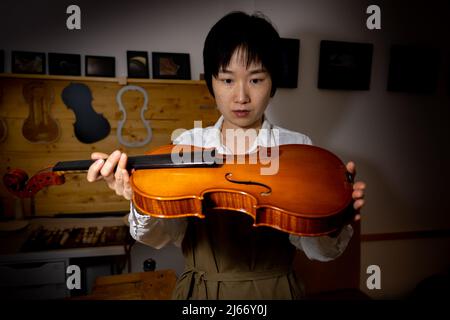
point(265, 193)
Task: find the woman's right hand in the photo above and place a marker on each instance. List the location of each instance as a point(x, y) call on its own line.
point(118, 181)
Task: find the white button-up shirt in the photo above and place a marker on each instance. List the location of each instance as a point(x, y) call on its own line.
point(158, 232)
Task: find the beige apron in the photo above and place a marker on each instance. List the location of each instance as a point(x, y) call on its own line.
point(227, 258)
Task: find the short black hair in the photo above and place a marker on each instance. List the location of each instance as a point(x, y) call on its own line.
point(254, 34)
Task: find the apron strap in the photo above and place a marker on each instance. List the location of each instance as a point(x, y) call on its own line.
point(199, 278)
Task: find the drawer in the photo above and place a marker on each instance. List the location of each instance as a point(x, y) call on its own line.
point(41, 292)
point(32, 274)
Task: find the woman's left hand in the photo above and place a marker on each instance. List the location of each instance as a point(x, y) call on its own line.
point(358, 190)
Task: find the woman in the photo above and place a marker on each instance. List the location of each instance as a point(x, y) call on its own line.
point(225, 256)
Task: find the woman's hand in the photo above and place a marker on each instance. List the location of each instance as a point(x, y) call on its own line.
point(358, 191)
point(118, 181)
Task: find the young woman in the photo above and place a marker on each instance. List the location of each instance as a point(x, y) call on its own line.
point(225, 256)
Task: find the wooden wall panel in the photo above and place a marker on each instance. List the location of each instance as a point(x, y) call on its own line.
point(172, 105)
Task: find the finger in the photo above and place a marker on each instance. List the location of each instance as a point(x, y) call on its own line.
point(119, 182)
point(358, 204)
point(359, 185)
point(358, 194)
point(127, 190)
point(123, 161)
point(351, 167)
point(357, 217)
point(94, 169)
point(110, 164)
point(99, 155)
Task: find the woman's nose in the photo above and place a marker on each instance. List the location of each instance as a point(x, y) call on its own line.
point(242, 95)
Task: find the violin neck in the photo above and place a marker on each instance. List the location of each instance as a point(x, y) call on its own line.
point(157, 161)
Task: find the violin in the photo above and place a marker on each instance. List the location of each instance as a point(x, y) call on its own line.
point(3, 130)
point(39, 127)
point(310, 193)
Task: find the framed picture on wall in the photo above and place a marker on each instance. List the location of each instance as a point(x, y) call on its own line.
point(64, 64)
point(28, 62)
point(2, 61)
point(345, 65)
point(413, 69)
point(171, 65)
point(448, 77)
point(137, 64)
point(290, 50)
point(97, 66)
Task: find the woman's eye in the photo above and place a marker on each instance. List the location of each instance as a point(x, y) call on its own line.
point(255, 81)
point(227, 81)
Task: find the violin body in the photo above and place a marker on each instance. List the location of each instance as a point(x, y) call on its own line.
point(310, 195)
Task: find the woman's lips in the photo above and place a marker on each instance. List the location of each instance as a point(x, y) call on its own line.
point(241, 113)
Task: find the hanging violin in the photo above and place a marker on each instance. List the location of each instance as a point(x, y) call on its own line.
point(39, 127)
point(310, 194)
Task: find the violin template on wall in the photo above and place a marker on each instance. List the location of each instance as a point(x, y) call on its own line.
point(89, 126)
point(133, 144)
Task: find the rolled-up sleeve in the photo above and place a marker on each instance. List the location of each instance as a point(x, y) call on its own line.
point(156, 232)
point(323, 248)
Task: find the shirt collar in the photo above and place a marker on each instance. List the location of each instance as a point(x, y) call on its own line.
point(264, 136)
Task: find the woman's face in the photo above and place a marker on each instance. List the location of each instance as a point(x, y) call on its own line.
point(242, 94)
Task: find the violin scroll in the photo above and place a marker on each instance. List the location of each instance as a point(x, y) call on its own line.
point(16, 182)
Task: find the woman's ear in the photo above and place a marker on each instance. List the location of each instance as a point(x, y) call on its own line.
point(273, 91)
